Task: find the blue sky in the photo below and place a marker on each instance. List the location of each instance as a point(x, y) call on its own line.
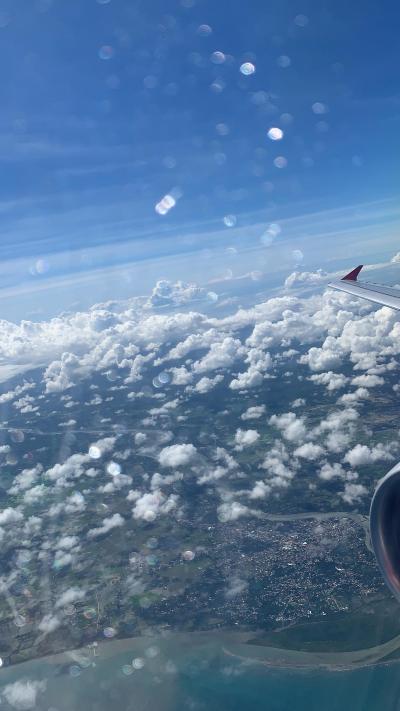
point(109, 106)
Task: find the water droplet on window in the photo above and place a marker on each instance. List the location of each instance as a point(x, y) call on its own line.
point(280, 162)
point(138, 663)
point(230, 220)
point(75, 671)
point(286, 118)
point(222, 129)
point(301, 20)
point(297, 255)
point(217, 86)
point(164, 377)
point(247, 68)
point(319, 108)
point(188, 555)
point(204, 30)
point(127, 670)
point(19, 621)
point(169, 162)
point(275, 134)
point(151, 560)
point(165, 205)
point(106, 52)
point(89, 613)
point(109, 632)
point(283, 61)
point(152, 542)
point(113, 469)
point(218, 57)
point(152, 652)
point(212, 296)
point(17, 435)
point(94, 452)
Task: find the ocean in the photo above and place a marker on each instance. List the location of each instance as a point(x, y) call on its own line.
point(192, 672)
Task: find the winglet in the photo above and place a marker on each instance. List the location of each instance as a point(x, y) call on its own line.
point(352, 276)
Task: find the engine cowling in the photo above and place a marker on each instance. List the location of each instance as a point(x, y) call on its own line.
point(384, 521)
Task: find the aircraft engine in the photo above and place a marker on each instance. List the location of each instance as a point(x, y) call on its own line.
point(384, 521)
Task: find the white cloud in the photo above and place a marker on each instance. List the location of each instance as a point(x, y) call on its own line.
point(181, 376)
point(114, 521)
point(310, 451)
point(22, 694)
point(69, 596)
point(333, 381)
point(260, 490)
point(204, 385)
point(245, 438)
point(353, 492)
point(48, 624)
point(220, 355)
point(331, 471)
point(35, 494)
point(149, 506)
point(25, 479)
point(368, 381)
point(18, 390)
point(396, 258)
point(231, 511)
point(253, 413)
point(301, 278)
point(362, 455)
point(167, 293)
point(67, 542)
point(177, 455)
point(9, 516)
point(291, 426)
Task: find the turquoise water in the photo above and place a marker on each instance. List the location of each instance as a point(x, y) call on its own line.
point(173, 674)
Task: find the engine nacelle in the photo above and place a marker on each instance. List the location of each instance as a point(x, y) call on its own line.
point(384, 522)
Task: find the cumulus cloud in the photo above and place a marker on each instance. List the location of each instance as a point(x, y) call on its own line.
point(331, 471)
point(291, 426)
point(231, 511)
point(362, 455)
point(245, 438)
point(253, 413)
point(353, 492)
point(333, 381)
point(177, 455)
point(204, 385)
point(310, 451)
point(368, 381)
point(167, 293)
point(23, 694)
point(114, 521)
point(260, 490)
point(10, 516)
point(69, 597)
point(149, 506)
point(48, 624)
point(25, 479)
point(302, 278)
point(220, 355)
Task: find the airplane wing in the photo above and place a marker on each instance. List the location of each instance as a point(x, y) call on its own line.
point(384, 295)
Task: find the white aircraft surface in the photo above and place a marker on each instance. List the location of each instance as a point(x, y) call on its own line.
point(385, 295)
